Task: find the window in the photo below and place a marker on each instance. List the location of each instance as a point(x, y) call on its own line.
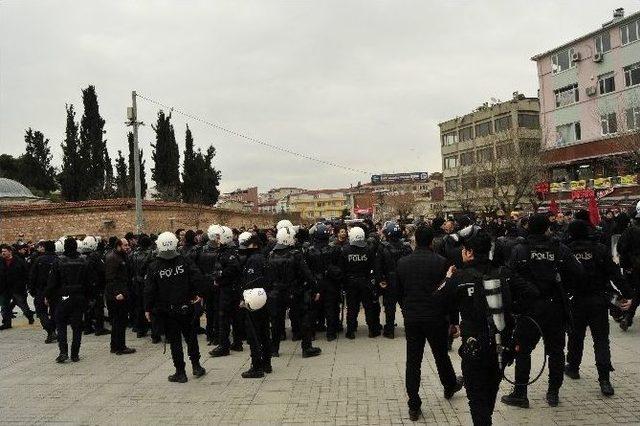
point(529, 121)
point(568, 133)
point(468, 182)
point(451, 185)
point(632, 74)
point(487, 181)
point(450, 163)
point(603, 42)
point(609, 123)
point(483, 129)
point(633, 118)
point(606, 83)
point(449, 139)
point(532, 146)
point(466, 134)
point(503, 123)
point(505, 150)
point(567, 95)
point(467, 158)
point(629, 32)
point(485, 154)
point(562, 61)
point(505, 178)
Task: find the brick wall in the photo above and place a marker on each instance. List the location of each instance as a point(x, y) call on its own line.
point(114, 217)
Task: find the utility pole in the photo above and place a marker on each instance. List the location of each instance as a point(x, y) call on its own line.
point(132, 116)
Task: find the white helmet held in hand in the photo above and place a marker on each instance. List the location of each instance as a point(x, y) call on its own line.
point(254, 298)
point(286, 237)
point(214, 232)
point(357, 237)
point(90, 243)
point(167, 244)
point(227, 236)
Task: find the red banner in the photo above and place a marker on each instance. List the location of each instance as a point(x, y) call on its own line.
point(542, 187)
point(580, 194)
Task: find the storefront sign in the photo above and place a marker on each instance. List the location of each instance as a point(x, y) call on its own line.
point(580, 194)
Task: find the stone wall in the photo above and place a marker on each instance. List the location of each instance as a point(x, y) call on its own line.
point(114, 217)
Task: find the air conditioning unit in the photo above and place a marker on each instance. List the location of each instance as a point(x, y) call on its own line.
point(598, 57)
point(591, 90)
point(576, 57)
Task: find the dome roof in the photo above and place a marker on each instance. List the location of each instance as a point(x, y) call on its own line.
point(12, 189)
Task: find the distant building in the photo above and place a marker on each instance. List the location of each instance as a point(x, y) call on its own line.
point(590, 113)
point(13, 192)
point(248, 196)
point(270, 207)
point(317, 204)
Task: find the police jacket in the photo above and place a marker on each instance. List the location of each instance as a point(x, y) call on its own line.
point(504, 246)
point(229, 274)
point(389, 252)
point(190, 251)
point(96, 266)
point(452, 249)
point(629, 248)
point(69, 277)
point(419, 276)
point(324, 262)
point(117, 275)
point(357, 265)
point(289, 271)
point(39, 274)
point(206, 260)
point(140, 261)
point(254, 271)
point(13, 275)
point(171, 284)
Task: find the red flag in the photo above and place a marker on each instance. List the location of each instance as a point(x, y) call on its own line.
point(553, 207)
point(594, 212)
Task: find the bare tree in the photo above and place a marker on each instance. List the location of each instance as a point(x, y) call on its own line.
point(402, 205)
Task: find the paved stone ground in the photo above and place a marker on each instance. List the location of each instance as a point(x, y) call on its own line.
point(352, 382)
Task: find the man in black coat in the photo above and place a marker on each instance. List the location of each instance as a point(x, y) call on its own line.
point(13, 280)
point(419, 276)
point(38, 283)
point(118, 277)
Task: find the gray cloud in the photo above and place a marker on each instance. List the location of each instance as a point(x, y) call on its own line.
point(360, 83)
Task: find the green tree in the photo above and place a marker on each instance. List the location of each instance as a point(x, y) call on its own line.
point(166, 159)
point(11, 167)
point(36, 162)
point(73, 172)
point(122, 179)
point(109, 184)
point(191, 176)
point(92, 146)
point(132, 171)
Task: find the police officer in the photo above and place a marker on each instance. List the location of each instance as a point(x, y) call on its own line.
point(505, 244)
point(67, 288)
point(551, 267)
point(140, 260)
point(290, 274)
point(357, 263)
point(173, 285)
point(207, 261)
point(389, 252)
point(38, 277)
point(94, 316)
point(590, 303)
point(323, 259)
point(117, 294)
point(629, 251)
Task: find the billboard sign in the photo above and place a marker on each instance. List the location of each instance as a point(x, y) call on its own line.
point(400, 177)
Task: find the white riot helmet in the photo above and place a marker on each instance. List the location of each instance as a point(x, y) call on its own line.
point(243, 239)
point(254, 298)
point(59, 247)
point(284, 223)
point(357, 237)
point(286, 237)
point(167, 244)
point(638, 208)
point(90, 243)
point(214, 232)
point(227, 236)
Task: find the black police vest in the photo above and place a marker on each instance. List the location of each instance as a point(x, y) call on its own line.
point(593, 265)
point(43, 265)
point(282, 264)
point(359, 262)
point(140, 261)
point(72, 273)
point(207, 260)
point(320, 259)
point(542, 266)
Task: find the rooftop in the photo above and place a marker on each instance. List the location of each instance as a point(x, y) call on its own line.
point(12, 189)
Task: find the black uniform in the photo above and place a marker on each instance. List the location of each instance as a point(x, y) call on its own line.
point(118, 281)
point(13, 281)
point(68, 288)
point(140, 261)
point(389, 252)
point(629, 252)
point(357, 264)
point(94, 315)
point(171, 285)
point(227, 280)
point(38, 278)
point(323, 259)
point(207, 261)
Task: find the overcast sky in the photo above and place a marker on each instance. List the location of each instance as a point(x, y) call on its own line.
point(361, 83)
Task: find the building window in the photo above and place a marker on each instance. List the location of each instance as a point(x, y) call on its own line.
point(503, 123)
point(633, 118)
point(449, 139)
point(467, 158)
point(451, 185)
point(483, 129)
point(568, 133)
point(609, 123)
point(629, 32)
point(567, 95)
point(632, 74)
point(529, 121)
point(606, 83)
point(562, 61)
point(450, 163)
point(468, 182)
point(466, 134)
point(505, 178)
point(505, 150)
point(532, 146)
point(485, 154)
point(603, 42)
point(487, 181)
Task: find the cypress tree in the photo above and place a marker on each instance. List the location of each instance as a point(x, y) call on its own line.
point(166, 159)
point(109, 190)
point(36, 162)
point(73, 173)
point(132, 171)
point(190, 173)
point(122, 179)
point(92, 146)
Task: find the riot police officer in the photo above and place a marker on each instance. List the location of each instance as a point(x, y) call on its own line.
point(551, 267)
point(140, 260)
point(207, 261)
point(357, 263)
point(38, 277)
point(67, 288)
point(389, 252)
point(173, 285)
point(94, 316)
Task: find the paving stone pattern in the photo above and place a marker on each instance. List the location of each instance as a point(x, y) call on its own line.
point(352, 383)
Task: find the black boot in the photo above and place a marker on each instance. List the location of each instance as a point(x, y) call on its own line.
point(51, 337)
point(62, 358)
point(553, 399)
point(253, 373)
point(448, 393)
point(237, 346)
point(517, 398)
point(102, 332)
point(219, 351)
point(198, 370)
point(388, 332)
point(374, 332)
point(178, 377)
point(75, 357)
point(267, 368)
point(350, 335)
point(30, 318)
point(603, 378)
point(5, 326)
point(311, 352)
point(571, 372)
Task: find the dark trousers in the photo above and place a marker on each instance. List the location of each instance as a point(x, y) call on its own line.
point(42, 310)
point(390, 302)
point(118, 310)
point(229, 317)
point(141, 324)
point(362, 293)
point(277, 303)
point(178, 326)
point(258, 337)
point(69, 312)
point(417, 334)
point(307, 309)
point(94, 312)
point(590, 312)
point(482, 379)
point(15, 299)
point(331, 307)
point(211, 313)
point(157, 326)
point(550, 316)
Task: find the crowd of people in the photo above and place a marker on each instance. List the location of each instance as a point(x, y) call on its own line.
point(501, 285)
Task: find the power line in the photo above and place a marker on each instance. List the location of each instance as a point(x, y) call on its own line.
point(252, 139)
